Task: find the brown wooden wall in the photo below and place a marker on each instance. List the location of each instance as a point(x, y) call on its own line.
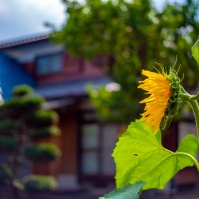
point(68, 142)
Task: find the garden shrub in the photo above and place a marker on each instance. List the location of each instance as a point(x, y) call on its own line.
point(42, 118)
point(42, 152)
point(8, 143)
point(35, 183)
point(44, 132)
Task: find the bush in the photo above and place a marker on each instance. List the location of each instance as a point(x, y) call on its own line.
point(34, 183)
point(32, 102)
point(6, 126)
point(22, 90)
point(42, 118)
point(5, 174)
point(44, 132)
point(42, 152)
point(23, 105)
point(8, 143)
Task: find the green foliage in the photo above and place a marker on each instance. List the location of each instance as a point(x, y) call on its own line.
point(195, 51)
point(108, 108)
point(32, 102)
point(122, 37)
point(42, 152)
point(42, 118)
point(8, 143)
point(36, 183)
point(20, 106)
point(127, 192)
point(22, 90)
point(19, 116)
point(44, 132)
point(6, 126)
point(5, 174)
point(139, 156)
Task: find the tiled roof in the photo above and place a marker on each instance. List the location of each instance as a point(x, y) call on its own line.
point(23, 40)
point(12, 74)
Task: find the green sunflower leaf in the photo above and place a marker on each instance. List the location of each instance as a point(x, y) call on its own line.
point(139, 156)
point(195, 51)
point(127, 192)
point(158, 136)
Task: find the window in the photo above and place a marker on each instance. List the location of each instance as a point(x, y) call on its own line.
point(90, 145)
point(98, 142)
point(49, 64)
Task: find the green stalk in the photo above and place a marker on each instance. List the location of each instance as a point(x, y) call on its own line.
point(195, 97)
point(191, 157)
point(191, 99)
point(195, 108)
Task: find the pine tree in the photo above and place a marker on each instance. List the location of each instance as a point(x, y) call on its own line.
point(23, 122)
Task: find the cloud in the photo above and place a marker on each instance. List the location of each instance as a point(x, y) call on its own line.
point(20, 18)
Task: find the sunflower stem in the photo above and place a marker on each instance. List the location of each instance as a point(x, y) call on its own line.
point(195, 108)
point(195, 97)
point(191, 99)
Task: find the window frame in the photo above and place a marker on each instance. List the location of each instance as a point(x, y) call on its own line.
point(100, 176)
point(49, 72)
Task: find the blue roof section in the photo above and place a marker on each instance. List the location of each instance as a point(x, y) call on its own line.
point(11, 75)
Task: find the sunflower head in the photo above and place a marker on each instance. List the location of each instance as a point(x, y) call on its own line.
point(163, 101)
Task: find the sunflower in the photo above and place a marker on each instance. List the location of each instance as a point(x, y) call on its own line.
point(158, 87)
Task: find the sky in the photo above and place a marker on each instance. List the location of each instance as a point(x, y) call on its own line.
point(20, 18)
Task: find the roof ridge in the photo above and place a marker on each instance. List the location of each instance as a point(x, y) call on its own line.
point(23, 40)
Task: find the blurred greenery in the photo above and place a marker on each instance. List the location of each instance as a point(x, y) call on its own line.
point(21, 118)
point(7, 127)
point(124, 37)
point(19, 106)
point(5, 174)
point(42, 152)
point(9, 144)
point(42, 118)
point(36, 183)
point(44, 132)
point(22, 90)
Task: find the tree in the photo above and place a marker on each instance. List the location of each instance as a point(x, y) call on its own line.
point(23, 121)
point(124, 37)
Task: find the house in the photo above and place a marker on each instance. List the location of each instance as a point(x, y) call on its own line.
point(86, 144)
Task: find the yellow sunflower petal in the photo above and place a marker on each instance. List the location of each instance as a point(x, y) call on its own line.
point(157, 86)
